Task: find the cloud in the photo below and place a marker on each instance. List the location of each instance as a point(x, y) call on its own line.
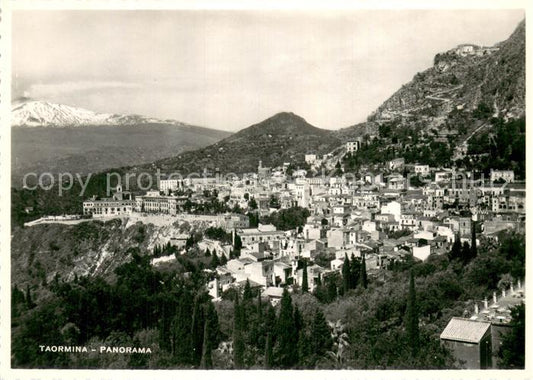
point(52, 90)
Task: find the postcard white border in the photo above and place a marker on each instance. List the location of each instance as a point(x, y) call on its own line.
point(7, 6)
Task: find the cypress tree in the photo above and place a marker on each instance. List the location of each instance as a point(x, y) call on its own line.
point(270, 321)
point(259, 306)
point(320, 334)
point(298, 320)
point(363, 277)
point(17, 299)
point(287, 335)
point(29, 301)
point(455, 252)
point(331, 289)
point(247, 293)
point(466, 252)
point(214, 261)
point(412, 317)
point(165, 324)
point(355, 271)
point(181, 329)
point(299, 327)
point(305, 283)
point(346, 274)
point(473, 249)
point(268, 351)
point(214, 327)
point(305, 353)
point(256, 335)
point(238, 340)
point(206, 362)
point(197, 331)
point(237, 244)
point(223, 259)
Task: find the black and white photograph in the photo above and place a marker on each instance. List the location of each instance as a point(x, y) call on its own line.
point(292, 188)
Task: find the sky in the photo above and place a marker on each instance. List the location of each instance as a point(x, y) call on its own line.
point(231, 69)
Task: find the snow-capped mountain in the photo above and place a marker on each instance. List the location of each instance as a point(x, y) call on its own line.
point(33, 113)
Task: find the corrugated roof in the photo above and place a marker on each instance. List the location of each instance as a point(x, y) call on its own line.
point(465, 330)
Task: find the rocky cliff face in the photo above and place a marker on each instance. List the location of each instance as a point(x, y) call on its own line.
point(42, 252)
point(462, 79)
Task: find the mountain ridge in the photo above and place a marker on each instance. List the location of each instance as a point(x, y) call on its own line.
point(283, 137)
point(461, 79)
point(27, 112)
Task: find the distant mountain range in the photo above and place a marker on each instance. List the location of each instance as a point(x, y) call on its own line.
point(56, 138)
point(33, 113)
point(459, 94)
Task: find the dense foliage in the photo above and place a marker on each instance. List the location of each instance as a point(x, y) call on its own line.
point(502, 147)
point(339, 324)
point(288, 219)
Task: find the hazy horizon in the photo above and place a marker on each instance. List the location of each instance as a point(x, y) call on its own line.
point(230, 69)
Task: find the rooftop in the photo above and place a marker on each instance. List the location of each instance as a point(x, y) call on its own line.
point(465, 330)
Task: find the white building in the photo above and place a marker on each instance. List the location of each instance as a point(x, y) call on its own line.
point(392, 208)
point(121, 203)
point(422, 253)
point(310, 158)
point(422, 170)
point(167, 185)
point(506, 175)
point(352, 146)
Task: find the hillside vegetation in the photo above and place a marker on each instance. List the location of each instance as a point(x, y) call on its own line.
point(284, 137)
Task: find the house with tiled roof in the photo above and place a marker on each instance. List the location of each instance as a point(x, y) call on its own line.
point(470, 342)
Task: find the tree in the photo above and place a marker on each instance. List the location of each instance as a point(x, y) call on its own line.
point(197, 331)
point(214, 261)
point(238, 339)
point(211, 318)
point(223, 259)
point(355, 271)
point(346, 274)
point(268, 351)
point(252, 204)
point(29, 302)
point(363, 276)
point(237, 245)
point(466, 253)
point(413, 334)
point(206, 362)
point(181, 329)
point(305, 283)
point(512, 350)
point(253, 218)
point(287, 336)
point(274, 202)
point(320, 334)
point(455, 252)
point(17, 301)
point(247, 293)
point(473, 249)
point(331, 289)
point(288, 219)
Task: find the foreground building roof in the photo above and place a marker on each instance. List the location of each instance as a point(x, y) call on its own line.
point(465, 330)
